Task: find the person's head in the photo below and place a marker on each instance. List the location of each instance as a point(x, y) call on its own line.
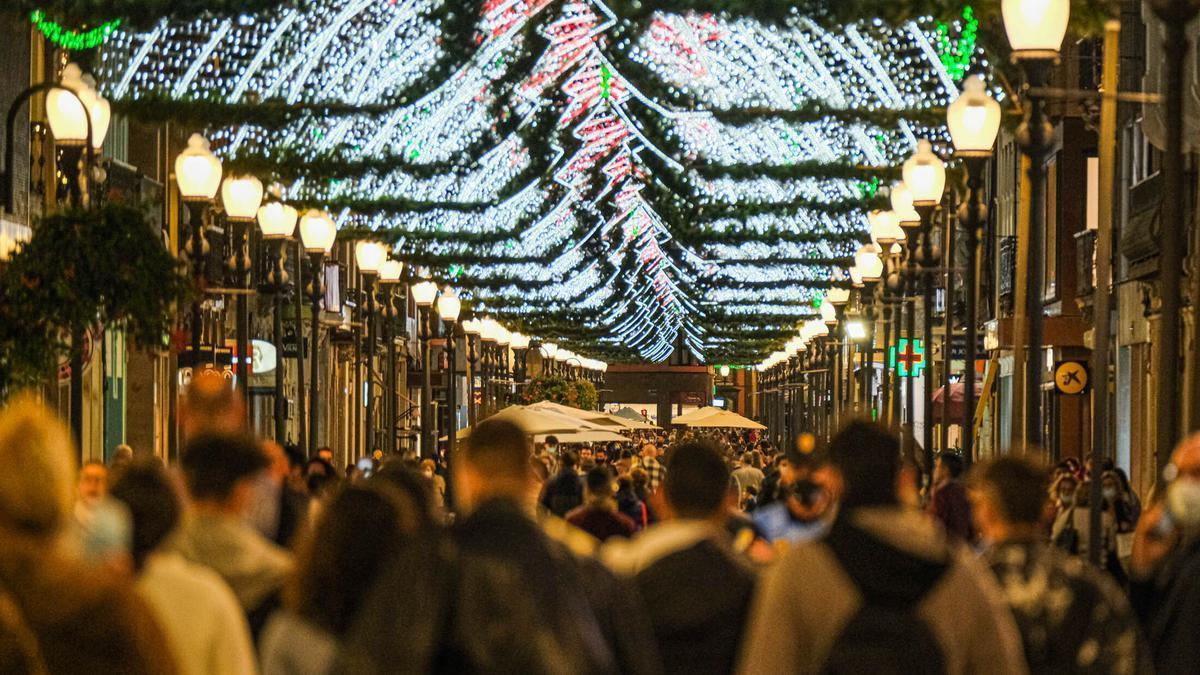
point(649, 451)
point(220, 470)
point(949, 467)
point(1008, 497)
point(552, 443)
point(93, 482)
point(326, 454)
point(153, 504)
point(413, 485)
point(640, 478)
point(601, 455)
point(1183, 489)
point(278, 466)
point(747, 458)
point(428, 467)
point(493, 463)
point(586, 454)
point(567, 461)
point(122, 455)
point(868, 462)
point(38, 481)
point(357, 534)
point(1110, 487)
point(1064, 489)
point(211, 406)
point(598, 483)
point(696, 481)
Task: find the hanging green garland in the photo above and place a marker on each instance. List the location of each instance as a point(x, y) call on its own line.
point(269, 114)
point(72, 40)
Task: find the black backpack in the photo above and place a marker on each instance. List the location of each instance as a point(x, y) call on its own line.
point(885, 636)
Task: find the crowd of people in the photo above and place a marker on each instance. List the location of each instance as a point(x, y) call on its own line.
point(672, 553)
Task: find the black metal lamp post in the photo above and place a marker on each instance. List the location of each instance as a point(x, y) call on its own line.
point(278, 222)
point(318, 232)
point(241, 196)
point(389, 279)
point(974, 122)
point(370, 257)
point(424, 294)
point(471, 328)
point(449, 307)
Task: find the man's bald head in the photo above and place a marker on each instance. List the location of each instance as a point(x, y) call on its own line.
point(211, 406)
point(1186, 457)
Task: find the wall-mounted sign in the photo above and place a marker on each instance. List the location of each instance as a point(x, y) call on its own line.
point(907, 358)
point(264, 357)
point(1071, 377)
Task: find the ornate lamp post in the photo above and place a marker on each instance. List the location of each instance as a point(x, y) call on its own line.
point(449, 307)
point(974, 121)
point(870, 265)
point(1036, 29)
point(424, 294)
point(520, 347)
point(886, 232)
point(389, 277)
point(488, 332)
point(198, 173)
point(503, 338)
point(925, 176)
point(318, 232)
point(471, 330)
point(549, 352)
point(277, 221)
point(241, 196)
point(370, 256)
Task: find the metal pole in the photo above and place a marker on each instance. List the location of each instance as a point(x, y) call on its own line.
point(472, 361)
point(928, 262)
point(301, 409)
point(1175, 15)
point(428, 424)
point(369, 391)
point(277, 336)
point(242, 313)
point(389, 400)
point(973, 222)
point(314, 413)
point(885, 381)
point(910, 381)
point(1033, 137)
point(451, 391)
point(1102, 299)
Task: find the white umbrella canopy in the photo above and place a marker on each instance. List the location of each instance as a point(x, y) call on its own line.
point(537, 422)
point(585, 415)
point(687, 418)
point(590, 436)
point(633, 419)
point(724, 419)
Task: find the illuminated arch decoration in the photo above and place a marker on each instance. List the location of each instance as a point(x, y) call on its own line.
point(618, 182)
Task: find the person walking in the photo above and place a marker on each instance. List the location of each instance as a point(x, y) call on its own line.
point(1072, 618)
point(221, 473)
point(884, 591)
point(205, 627)
point(654, 469)
point(948, 503)
point(748, 476)
point(697, 624)
point(598, 516)
point(564, 491)
point(1165, 565)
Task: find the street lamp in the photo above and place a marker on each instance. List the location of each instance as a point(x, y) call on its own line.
point(277, 222)
point(520, 347)
point(1036, 29)
point(198, 173)
point(318, 232)
point(390, 272)
point(241, 197)
point(488, 329)
point(549, 351)
point(370, 256)
point(503, 339)
point(925, 176)
point(471, 330)
point(449, 306)
point(424, 293)
point(974, 122)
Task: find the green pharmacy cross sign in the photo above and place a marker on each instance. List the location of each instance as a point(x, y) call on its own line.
point(907, 358)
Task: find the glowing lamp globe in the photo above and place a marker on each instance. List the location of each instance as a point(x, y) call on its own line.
point(868, 263)
point(424, 293)
point(390, 271)
point(856, 276)
point(856, 329)
point(241, 196)
point(472, 326)
point(925, 175)
point(1035, 28)
point(98, 110)
point(902, 206)
point(829, 313)
point(66, 110)
point(818, 329)
point(724, 371)
point(974, 120)
point(318, 231)
point(503, 336)
point(549, 350)
point(276, 220)
point(370, 256)
point(838, 296)
point(448, 304)
point(489, 329)
point(520, 341)
point(884, 227)
point(198, 171)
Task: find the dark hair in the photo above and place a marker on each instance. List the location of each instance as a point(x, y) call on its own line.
point(295, 456)
point(952, 462)
point(154, 507)
point(551, 440)
point(343, 555)
point(214, 464)
point(1018, 484)
point(868, 456)
point(568, 460)
point(599, 480)
point(696, 479)
point(498, 448)
point(418, 489)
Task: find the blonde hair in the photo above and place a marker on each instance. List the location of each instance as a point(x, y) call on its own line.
point(38, 457)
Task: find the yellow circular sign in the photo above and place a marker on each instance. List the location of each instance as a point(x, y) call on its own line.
point(1071, 377)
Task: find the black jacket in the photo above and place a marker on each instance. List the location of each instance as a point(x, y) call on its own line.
point(496, 595)
point(1169, 608)
point(562, 493)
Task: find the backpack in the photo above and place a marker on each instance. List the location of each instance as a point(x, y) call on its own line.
point(885, 635)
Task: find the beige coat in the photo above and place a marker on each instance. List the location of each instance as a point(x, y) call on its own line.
point(806, 599)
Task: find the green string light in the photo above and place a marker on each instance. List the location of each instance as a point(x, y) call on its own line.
point(956, 55)
point(605, 81)
point(70, 39)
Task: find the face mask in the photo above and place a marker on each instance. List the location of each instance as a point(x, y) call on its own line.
point(1067, 500)
point(1109, 493)
point(1183, 499)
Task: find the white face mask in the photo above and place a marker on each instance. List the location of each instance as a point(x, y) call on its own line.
point(1109, 493)
point(1183, 499)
